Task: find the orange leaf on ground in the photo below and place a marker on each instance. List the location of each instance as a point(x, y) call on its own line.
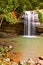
point(15, 56)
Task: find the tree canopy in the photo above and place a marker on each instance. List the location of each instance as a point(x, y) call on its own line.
point(18, 6)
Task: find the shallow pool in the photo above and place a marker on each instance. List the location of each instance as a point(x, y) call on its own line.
point(29, 47)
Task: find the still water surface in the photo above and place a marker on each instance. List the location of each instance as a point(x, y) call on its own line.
point(29, 47)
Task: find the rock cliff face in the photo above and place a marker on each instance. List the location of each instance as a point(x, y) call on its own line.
point(18, 28)
point(39, 30)
point(31, 21)
point(13, 29)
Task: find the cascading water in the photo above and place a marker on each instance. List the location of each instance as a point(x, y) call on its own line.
point(29, 23)
point(33, 26)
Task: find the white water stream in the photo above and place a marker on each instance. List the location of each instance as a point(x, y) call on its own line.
point(29, 23)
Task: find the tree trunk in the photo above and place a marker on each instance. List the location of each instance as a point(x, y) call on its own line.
point(1, 23)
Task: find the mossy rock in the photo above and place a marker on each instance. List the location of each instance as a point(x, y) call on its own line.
point(41, 34)
point(1, 48)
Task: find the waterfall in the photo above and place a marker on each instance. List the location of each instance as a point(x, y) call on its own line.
point(29, 23)
point(33, 26)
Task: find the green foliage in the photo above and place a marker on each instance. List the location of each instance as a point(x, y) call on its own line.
point(2, 63)
point(6, 6)
point(40, 15)
point(1, 48)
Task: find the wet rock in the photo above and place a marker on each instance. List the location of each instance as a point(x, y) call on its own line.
point(3, 35)
point(7, 60)
point(23, 62)
point(2, 43)
point(14, 63)
point(10, 46)
point(40, 58)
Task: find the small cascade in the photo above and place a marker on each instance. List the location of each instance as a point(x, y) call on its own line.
point(33, 26)
point(29, 23)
